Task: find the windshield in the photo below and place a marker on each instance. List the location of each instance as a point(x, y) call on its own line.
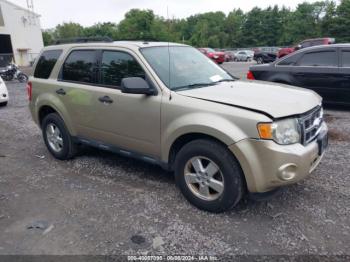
point(189, 68)
point(209, 50)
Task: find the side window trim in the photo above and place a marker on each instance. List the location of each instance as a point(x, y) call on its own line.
point(99, 53)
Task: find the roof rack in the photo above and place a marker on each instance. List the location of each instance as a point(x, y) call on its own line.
point(105, 39)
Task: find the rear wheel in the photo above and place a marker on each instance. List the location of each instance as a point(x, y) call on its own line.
point(260, 60)
point(57, 138)
point(209, 176)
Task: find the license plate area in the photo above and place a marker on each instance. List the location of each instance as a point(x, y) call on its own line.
point(322, 141)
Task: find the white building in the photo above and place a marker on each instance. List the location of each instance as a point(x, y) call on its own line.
point(20, 34)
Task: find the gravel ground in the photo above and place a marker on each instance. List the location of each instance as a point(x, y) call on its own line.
point(101, 203)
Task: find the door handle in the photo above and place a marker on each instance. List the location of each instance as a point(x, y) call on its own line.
point(105, 99)
point(61, 92)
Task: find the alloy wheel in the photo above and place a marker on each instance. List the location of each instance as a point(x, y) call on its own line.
point(54, 137)
point(204, 178)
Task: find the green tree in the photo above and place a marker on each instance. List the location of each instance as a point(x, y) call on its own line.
point(136, 25)
point(47, 37)
point(340, 25)
point(233, 28)
point(68, 30)
point(102, 29)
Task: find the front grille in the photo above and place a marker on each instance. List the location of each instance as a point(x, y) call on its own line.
point(311, 125)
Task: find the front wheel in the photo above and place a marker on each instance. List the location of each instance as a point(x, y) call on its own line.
point(209, 176)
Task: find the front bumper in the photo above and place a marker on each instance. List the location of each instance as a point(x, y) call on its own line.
point(267, 165)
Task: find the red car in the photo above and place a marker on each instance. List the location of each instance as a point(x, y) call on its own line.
point(306, 43)
point(217, 57)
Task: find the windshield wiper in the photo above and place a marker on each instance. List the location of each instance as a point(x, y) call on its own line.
point(224, 80)
point(191, 86)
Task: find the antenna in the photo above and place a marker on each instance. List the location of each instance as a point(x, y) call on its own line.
point(167, 13)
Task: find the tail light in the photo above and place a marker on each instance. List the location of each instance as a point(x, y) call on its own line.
point(29, 90)
point(250, 75)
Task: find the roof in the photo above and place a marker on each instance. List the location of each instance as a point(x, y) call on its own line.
point(324, 46)
point(20, 7)
point(123, 44)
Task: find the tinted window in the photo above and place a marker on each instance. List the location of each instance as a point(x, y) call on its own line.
point(318, 42)
point(81, 66)
point(305, 44)
point(345, 56)
point(290, 61)
point(118, 65)
point(46, 63)
point(325, 58)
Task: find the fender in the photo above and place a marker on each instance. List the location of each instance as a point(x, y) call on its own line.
point(202, 123)
point(47, 99)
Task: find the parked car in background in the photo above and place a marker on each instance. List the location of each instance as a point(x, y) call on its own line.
point(229, 56)
point(4, 96)
point(324, 69)
point(217, 56)
point(242, 55)
point(306, 43)
point(263, 57)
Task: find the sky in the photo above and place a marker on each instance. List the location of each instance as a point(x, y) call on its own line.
point(89, 12)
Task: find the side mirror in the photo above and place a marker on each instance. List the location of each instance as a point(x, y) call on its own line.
point(136, 85)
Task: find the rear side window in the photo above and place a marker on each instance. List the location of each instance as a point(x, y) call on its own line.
point(345, 56)
point(324, 58)
point(117, 65)
point(46, 63)
point(81, 66)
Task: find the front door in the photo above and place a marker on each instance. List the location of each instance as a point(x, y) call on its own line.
point(319, 71)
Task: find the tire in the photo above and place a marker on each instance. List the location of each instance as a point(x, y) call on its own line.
point(66, 148)
point(22, 78)
point(229, 175)
point(259, 60)
point(3, 104)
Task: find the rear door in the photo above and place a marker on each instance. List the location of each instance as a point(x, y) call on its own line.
point(344, 84)
point(319, 70)
point(77, 80)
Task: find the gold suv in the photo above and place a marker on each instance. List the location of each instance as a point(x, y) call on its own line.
point(170, 105)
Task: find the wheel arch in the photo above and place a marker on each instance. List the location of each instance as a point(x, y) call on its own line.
point(51, 104)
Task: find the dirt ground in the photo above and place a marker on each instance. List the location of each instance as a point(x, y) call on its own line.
point(101, 203)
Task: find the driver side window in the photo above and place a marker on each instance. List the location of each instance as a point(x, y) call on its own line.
point(117, 65)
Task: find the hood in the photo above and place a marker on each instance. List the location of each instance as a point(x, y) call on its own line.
point(275, 100)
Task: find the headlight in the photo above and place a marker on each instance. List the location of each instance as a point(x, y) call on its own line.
point(215, 56)
point(284, 132)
